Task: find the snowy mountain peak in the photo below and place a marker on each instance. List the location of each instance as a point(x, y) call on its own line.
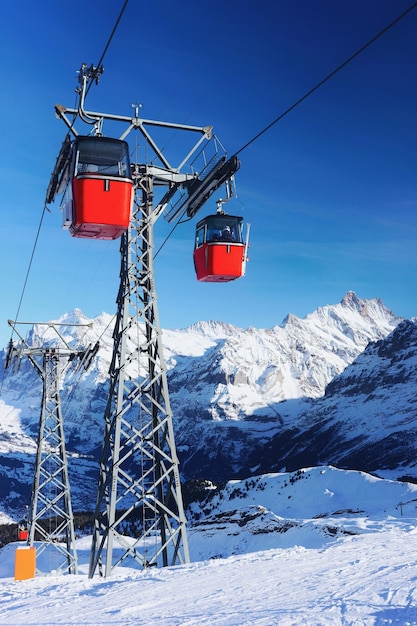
point(352, 312)
point(212, 329)
point(355, 318)
point(351, 300)
point(291, 320)
point(75, 317)
point(369, 309)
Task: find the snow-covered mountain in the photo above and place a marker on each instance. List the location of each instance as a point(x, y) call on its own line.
point(244, 401)
point(366, 420)
point(309, 507)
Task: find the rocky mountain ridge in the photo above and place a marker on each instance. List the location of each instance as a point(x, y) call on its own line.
point(244, 401)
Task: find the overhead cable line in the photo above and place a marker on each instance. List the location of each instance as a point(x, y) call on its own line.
point(45, 207)
point(171, 232)
point(327, 78)
point(99, 64)
point(306, 95)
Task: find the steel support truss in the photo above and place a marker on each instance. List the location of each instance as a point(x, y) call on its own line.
point(51, 521)
point(139, 513)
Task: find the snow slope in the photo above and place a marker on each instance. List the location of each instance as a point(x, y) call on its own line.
point(365, 580)
point(363, 577)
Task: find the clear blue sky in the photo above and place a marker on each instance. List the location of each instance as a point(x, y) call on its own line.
point(330, 191)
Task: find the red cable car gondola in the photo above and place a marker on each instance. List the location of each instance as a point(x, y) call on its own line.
point(99, 196)
point(219, 253)
point(22, 532)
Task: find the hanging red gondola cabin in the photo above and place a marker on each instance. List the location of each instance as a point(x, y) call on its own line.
point(219, 253)
point(22, 532)
point(99, 196)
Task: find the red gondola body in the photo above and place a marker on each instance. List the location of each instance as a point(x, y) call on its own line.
point(99, 198)
point(101, 207)
point(22, 533)
point(219, 254)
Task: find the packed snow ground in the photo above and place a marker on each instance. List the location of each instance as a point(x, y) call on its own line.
point(365, 574)
point(363, 580)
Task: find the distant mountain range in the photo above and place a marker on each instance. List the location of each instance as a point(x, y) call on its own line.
point(336, 387)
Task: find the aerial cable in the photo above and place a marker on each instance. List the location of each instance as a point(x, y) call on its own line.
point(45, 208)
point(179, 221)
point(306, 95)
point(99, 64)
point(95, 72)
point(328, 77)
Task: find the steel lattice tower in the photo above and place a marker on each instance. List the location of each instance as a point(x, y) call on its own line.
point(51, 522)
point(139, 510)
point(51, 499)
point(139, 485)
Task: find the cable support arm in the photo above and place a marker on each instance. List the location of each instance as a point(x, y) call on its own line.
point(60, 112)
point(86, 355)
point(26, 352)
point(136, 123)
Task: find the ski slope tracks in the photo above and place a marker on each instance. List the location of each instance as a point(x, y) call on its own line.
point(344, 553)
